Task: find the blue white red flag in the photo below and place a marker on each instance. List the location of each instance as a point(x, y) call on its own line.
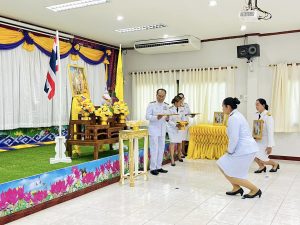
point(49, 87)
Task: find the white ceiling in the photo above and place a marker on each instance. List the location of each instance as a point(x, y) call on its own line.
point(189, 17)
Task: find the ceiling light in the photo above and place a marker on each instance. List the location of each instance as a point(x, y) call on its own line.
point(75, 4)
point(243, 27)
point(166, 36)
point(147, 27)
point(212, 3)
point(119, 18)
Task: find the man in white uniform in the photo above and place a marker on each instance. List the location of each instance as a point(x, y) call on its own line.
point(157, 131)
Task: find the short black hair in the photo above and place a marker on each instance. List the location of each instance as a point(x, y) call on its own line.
point(233, 102)
point(176, 99)
point(161, 89)
point(263, 102)
point(180, 95)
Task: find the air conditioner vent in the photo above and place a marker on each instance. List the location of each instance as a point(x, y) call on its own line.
point(168, 45)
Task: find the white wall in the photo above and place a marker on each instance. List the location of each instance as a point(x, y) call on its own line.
point(274, 49)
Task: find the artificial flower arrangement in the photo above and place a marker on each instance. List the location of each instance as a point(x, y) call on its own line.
point(120, 108)
point(104, 112)
point(87, 107)
point(182, 125)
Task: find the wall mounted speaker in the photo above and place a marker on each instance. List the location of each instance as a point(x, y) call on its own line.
point(248, 51)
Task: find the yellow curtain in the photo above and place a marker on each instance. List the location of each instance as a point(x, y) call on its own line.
point(8, 36)
point(92, 54)
point(47, 43)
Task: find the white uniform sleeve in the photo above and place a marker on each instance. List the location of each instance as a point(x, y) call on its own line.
point(172, 121)
point(233, 131)
point(270, 131)
point(188, 110)
point(149, 114)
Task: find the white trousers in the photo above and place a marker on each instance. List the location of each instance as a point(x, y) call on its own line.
point(157, 148)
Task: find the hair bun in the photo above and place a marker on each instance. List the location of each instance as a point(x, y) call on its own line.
point(236, 101)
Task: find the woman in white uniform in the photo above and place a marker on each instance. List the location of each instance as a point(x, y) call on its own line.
point(267, 142)
point(175, 135)
point(187, 111)
point(241, 151)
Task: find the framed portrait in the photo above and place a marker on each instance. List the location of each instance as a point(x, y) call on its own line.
point(78, 81)
point(218, 118)
point(257, 129)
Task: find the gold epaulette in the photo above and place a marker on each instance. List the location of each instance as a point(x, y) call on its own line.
point(166, 103)
point(269, 114)
point(153, 102)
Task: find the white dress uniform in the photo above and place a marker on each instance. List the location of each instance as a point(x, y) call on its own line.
point(242, 148)
point(175, 135)
point(267, 135)
point(157, 132)
point(187, 110)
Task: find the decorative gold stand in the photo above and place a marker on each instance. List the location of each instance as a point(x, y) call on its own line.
point(133, 137)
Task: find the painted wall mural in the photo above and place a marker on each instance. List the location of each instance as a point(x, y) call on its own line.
point(27, 192)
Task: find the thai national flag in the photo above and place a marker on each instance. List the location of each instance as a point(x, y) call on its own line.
point(49, 87)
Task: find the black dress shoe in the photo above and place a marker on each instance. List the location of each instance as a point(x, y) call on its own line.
point(260, 171)
point(258, 193)
point(161, 170)
point(180, 160)
point(240, 191)
point(154, 172)
point(274, 170)
point(173, 164)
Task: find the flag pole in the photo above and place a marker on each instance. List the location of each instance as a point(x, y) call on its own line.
point(60, 85)
point(60, 148)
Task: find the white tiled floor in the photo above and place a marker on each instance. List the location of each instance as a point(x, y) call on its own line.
point(192, 193)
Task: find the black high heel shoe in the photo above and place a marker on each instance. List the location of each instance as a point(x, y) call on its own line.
point(173, 164)
point(240, 191)
point(274, 170)
point(262, 170)
point(180, 160)
point(258, 193)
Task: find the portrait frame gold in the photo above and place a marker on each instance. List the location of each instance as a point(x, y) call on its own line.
point(78, 80)
point(257, 129)
point(218, 118)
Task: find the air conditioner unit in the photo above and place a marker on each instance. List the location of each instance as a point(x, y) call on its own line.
point(168, 45)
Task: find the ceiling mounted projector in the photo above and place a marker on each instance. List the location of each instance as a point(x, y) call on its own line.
point(252, 13)
point(249, 15)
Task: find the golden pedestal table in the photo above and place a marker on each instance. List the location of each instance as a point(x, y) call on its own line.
point(133, 136)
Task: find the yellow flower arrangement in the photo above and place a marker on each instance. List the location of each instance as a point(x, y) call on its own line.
point(103, 111)
point(87, 107)
point(121, 108)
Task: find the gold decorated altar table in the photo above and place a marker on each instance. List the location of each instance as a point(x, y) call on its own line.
point(207, 141)
point(133, 136)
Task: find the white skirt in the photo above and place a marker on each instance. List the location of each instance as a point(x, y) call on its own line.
point(175, 136)
point(262, 154)
point(236, 166)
